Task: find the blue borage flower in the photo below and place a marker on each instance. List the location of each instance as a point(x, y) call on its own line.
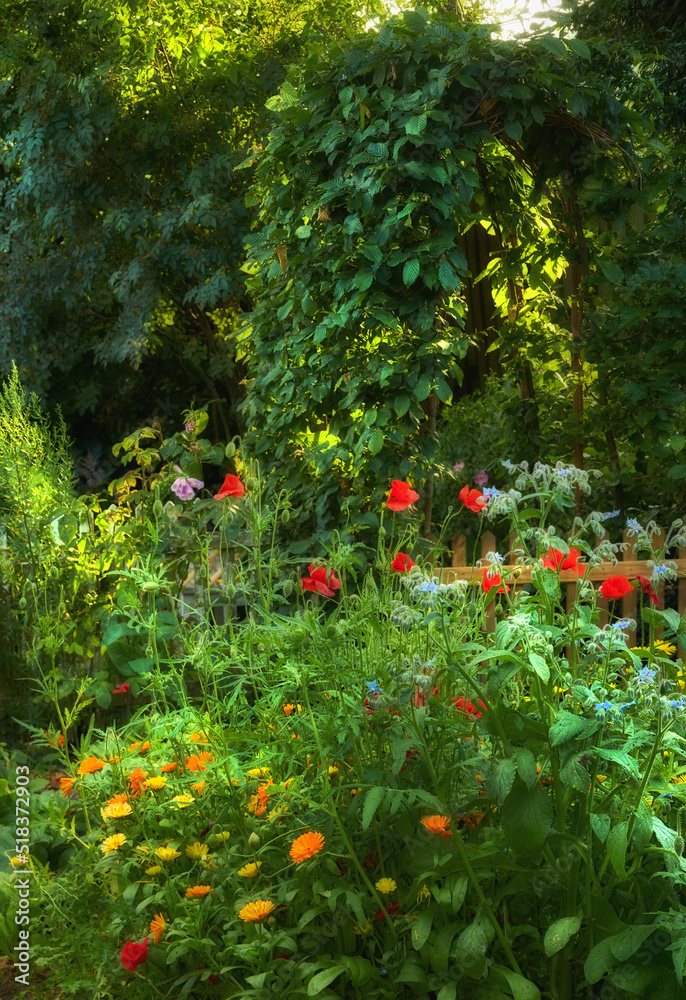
point(660, 571)
point(622, 624)
point(646, 676)
point(506, 463)
point(373, 687)
point(610, 514)
point(633, 525)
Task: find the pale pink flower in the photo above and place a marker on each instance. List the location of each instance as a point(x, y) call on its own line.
point(185, 487)
point(481, 478)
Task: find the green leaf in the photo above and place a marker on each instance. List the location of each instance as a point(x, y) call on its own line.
point(616, 847)
point(502, 779)
point(629, 764)
point(422, 389)
point(601, 826)
point(526, 765)
point(579, 47)
point(526, 817)
point(421, 929)
point(401, 405)
point(624, 945)
point(447, 277)
point(410, 272)
point(411, 973)
point(375, 441)
point(540, 666)
point(416, 125)
point(554, 45)
point(302, 232)
point(513, 129)
point(378, 149)
point(372, 801)
point(518, 986)
point(447, 992)
point(612, 271)
point(322, 980)
point(598, 962)
point(567, 725)
point(559, 933)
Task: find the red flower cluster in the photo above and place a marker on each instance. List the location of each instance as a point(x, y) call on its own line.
point(615, 587)
point(402, 563)
point(231, 487)
point(489, 582)
point(133, 954)
point(402, 496)
point(472, 499)
point(317, 580)
point(557, 560)
point(122, 689)
point(462, 705)
point(393, 911)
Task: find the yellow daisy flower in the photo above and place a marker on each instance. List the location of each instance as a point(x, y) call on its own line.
point(250, 870)
point(113, 843)
point(156, 782)
point(197, 850)
point(153, 870)
point(167, 854)
point(183, 801)
point(386, 885)
point(363, 930)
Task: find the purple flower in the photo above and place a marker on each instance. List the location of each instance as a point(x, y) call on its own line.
point(189, 426)
point(458, 466)
point(185, 487)
point(481, 478)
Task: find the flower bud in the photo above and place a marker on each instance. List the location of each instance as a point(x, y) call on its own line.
point(230, 591)
point(230, 450)
point(22, 603)
point(678, 846)
point(213, 840)
point(382, 532)
point(285, 516)
point(150, 586)
point(254, 841)
point(287, 588)
point(251, 483)
point(157, 508)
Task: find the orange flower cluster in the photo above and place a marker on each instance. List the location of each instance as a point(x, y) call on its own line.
point(136, 779)
point(199, 762)
point(90, 765)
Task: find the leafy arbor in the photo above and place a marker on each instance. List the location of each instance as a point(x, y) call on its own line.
point(386, 153)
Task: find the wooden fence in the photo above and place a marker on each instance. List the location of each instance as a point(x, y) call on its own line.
point(628, 566)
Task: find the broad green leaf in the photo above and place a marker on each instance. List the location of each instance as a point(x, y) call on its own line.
point(422, 389)
point(302, 232)
point(421, 928)
point(615, 846)
point(554, 45)
point(599, 961)
point(559, 933)
point(416, 125)
point(372, 801)
point(624, 945)
point(447, 277)
point(401, 405)
point(410, 272)
point(567, 725)
point(322, 980)
point(620, 757)
point(375, 441)
point(540, 666)
point(526, 817)
point(612, 271)
point(579, 47)
point(378, 149)
point(518, 986)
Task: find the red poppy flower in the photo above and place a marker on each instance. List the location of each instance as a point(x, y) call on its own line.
point(133, 954)
point(472, 499)
point(402, 563)
point(557, 560)
point(401, 496)
point(615, 587)
point(462, 705)
point(647, 588)
point(231, 487)
point(317, 580)
point(493, 581)
point(122, 689)
point(393, 911)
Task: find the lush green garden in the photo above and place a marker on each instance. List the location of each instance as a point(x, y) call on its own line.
point(257, 741)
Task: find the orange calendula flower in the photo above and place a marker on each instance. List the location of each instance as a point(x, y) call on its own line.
point(257, 910)
point(199, 762)
point(437, 824)
point(140, 747)
point(157, 925)
point(90, 765)
point(136, 779)
point(116, 808)
point(289, 709)
point(66, 785)
point(305, 846)
point(197, 891)
point(113, 843)
point(169, 767)
point(198, 738)
point(200, 787)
